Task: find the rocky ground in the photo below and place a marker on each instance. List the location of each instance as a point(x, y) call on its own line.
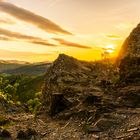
point(122, 123)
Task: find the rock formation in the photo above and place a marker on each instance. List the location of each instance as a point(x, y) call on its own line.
point(72, 84)
point(130, 57)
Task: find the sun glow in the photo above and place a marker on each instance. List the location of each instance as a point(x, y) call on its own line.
point(110, 51)
point(110, 48)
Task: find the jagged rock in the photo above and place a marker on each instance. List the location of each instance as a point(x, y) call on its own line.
point(71, 83)
point(130, 70)
point(129, 58)
point(130, 96)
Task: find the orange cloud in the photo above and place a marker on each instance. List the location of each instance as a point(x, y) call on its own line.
point(6, 21)
point(113, 36)
point(15, 35)
point(5, 38)
point(71, 44)
point(25, 56)
point(32, 18)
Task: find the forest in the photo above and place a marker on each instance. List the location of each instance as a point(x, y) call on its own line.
point(21, 90)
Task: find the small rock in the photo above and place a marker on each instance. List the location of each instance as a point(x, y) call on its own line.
point(133, 129)
point(94, 129)
point(21, 135)
point(91, 129)
point(95, 136)
point(5, 134)
point(104, 124)
point(31, 132)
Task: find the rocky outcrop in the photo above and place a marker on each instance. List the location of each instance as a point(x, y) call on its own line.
point(75, 85)
point(129, 63)
point(129, 58)
point(82, 94)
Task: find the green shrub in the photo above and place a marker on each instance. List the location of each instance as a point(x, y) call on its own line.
point(34, 105)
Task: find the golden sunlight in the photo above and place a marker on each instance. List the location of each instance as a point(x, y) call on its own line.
point(110, 48)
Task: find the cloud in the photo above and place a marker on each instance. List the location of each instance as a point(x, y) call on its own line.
point(30, 17)
point(43, 43)
point(71, 44)
point(15, 35)
point(124, 26)
point(6, 21)
point(113, 37)
point(25, 53)
point(4, 38)
point(25, 56)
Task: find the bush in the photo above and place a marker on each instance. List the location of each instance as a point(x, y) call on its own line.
point(34, 105)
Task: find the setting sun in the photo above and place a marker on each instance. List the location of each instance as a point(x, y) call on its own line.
point(110, 48)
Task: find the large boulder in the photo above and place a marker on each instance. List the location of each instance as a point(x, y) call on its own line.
point(129, 58)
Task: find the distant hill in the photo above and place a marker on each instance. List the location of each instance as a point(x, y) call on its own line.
point(26, 69)
point(14, 62)
point(11, 64)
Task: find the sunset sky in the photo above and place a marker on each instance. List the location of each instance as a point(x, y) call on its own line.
point(39, 30)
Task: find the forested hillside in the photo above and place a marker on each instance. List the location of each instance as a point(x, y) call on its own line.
point(20, 90)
